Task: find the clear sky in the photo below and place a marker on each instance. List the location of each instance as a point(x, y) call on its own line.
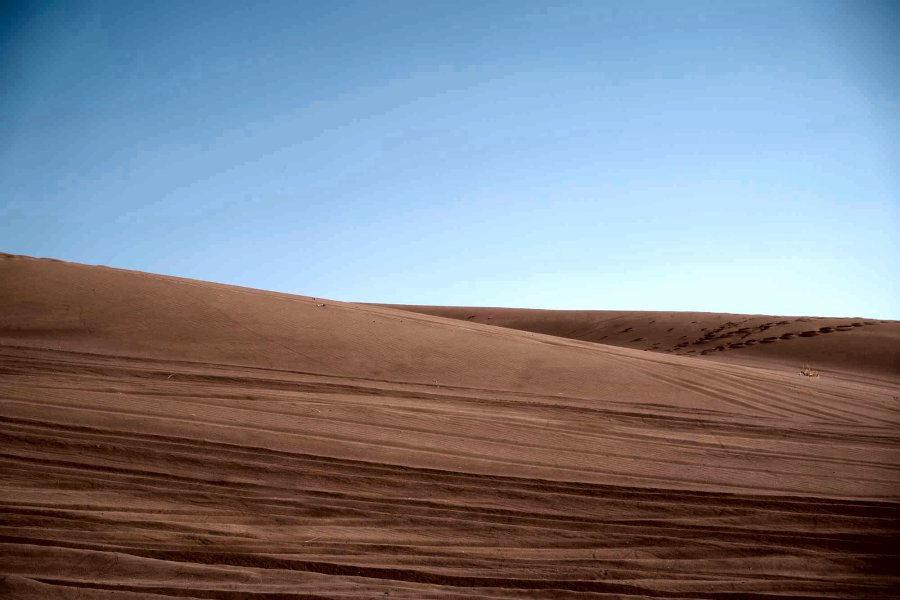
point(718, 156)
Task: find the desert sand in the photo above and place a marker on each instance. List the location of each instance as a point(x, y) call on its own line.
point(172, 438)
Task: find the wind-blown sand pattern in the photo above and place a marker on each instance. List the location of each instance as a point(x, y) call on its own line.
point(165, 437)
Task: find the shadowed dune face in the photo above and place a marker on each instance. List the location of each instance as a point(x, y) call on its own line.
point(168, 438)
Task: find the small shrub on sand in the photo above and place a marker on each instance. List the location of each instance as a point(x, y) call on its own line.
point(808, 371)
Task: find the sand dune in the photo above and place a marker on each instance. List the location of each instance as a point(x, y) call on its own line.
point(165, 437)
point(869, 346)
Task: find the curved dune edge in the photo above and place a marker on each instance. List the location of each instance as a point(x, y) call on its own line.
point(857, 346)
point(170, 438)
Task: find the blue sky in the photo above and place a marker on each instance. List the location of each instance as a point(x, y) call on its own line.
point(715, 156)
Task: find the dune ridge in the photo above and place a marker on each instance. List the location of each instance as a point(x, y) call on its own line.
point(166, 438)
point(763, 340)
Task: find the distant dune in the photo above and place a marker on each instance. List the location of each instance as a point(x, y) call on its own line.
point(172, 438)
point(869, 346)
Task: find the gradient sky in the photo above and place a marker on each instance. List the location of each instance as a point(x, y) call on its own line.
point(715, 156)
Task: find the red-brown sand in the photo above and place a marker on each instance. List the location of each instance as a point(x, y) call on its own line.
point(782, 343)
point(165, 437)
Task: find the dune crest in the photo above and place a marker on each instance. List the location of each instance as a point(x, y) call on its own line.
point(871, 347)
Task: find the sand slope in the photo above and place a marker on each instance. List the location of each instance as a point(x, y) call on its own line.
point(865, 346)
point(173, 438)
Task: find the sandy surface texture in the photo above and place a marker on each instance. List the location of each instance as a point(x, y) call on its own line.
point(788, 343)
point(171, 438)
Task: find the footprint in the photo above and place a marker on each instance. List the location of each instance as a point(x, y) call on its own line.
point(826, 329)
point(809, 334)
point(788, 336)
